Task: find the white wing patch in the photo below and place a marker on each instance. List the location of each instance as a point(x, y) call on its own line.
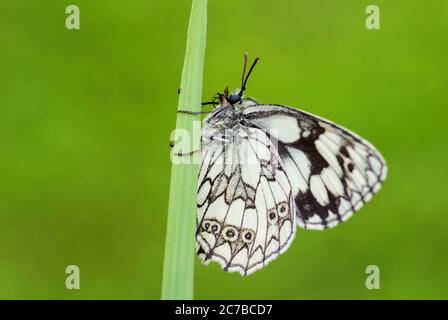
point(332, 171)
point(246, 214)
point(280, 126)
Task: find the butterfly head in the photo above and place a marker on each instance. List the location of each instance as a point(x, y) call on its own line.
point(235, 97)
point(227, 99)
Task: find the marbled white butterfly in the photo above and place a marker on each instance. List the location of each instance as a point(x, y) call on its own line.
point(266, 168)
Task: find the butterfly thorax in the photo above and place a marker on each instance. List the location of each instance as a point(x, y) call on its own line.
point(227, 115)
point(226, 125)
point(224, 117)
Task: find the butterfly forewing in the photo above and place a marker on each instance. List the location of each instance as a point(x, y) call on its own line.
point(332, 171)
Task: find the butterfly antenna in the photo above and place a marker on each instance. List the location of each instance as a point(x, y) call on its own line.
point(244, 71)
point(245, 77)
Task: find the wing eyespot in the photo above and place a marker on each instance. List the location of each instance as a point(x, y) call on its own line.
point(283, 209)
point(272, 216)
point(230, 233)
point(211, 226)
point(215, 227)
point(247, 236)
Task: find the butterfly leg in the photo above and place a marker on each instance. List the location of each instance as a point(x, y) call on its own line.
point(193, 112)
point(184, 154)
point(199, 112)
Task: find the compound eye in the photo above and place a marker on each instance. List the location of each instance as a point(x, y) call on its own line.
point(283, 209)
point(234, 98)
point(272, 216)
point(230, 233)
point(248, 236)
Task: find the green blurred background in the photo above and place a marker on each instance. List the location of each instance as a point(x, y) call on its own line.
point(85, 119)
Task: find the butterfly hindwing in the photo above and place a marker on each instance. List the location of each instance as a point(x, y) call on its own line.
point(246, 214)
point(332, 171)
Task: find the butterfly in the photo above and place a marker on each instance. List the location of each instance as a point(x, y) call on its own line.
point(266, 168)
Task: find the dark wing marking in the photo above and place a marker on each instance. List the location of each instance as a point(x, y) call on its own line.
point(332, 171)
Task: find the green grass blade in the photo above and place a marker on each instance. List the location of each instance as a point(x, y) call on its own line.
point(178, 269)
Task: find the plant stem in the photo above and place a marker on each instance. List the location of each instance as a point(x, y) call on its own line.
point(178, 268)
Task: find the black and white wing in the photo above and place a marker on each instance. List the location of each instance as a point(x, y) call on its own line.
point(246, 214)
point(332, 171)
